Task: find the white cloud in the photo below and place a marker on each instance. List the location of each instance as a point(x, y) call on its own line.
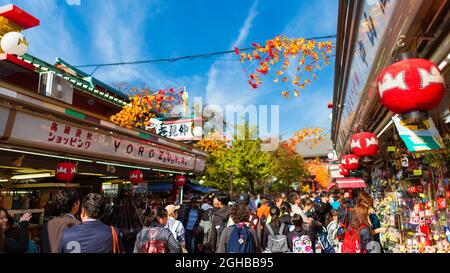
point(227, 84)
point(245, 29)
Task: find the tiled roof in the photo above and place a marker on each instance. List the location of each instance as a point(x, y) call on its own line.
point(323, 148)
point(85, 84)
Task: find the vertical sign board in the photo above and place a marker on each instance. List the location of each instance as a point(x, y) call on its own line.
point(419, 140)
point(373, 23)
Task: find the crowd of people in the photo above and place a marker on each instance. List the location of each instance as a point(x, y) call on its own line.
point(280, 223)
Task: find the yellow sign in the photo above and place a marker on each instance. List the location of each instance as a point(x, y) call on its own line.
point(417, 172)
point(391, 149)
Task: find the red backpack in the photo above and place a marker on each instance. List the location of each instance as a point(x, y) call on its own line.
point(352, 242)
point(154, 245)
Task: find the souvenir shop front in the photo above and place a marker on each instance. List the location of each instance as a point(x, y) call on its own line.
point(55, 132)
point(390, 124)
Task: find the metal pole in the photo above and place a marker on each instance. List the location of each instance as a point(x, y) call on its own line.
point(181, 195)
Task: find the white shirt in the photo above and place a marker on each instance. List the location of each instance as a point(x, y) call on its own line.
point(297, 210)
point(206, 206)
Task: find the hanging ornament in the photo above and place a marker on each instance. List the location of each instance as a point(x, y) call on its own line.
point(364, 145)
point(180, 180)
point(65, 171)
point(350, 162)
point(136, 177)
point(410, 88)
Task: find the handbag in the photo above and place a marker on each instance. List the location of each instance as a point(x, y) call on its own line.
point(116, 246)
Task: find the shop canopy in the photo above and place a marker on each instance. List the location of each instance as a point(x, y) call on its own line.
point(350, 183)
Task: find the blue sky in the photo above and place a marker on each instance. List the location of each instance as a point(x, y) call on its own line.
point(98, 31)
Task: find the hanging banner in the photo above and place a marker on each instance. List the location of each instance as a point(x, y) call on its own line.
point(417, 139)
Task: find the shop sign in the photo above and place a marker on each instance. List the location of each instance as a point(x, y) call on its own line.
point(57, 136)
point(419, 139)
point(373, 23)
point(417, 172)
point(178, 130)
point(392, 149)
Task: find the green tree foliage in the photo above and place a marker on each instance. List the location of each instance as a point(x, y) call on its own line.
point(289, 167)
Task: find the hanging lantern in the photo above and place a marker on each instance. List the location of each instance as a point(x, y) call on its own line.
point(65, 171)
point(14, 43)
point(410, 88)
point(344, 171)
point(350, 162)
point(180, 180)
point(136, 176)
point(364, 145)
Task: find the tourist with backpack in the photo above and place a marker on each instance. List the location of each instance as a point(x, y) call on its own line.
point(175, 226)
point(205, 227)
point(301, 240)
point(238, 238)
point(155, 237)
point(358, 233)
point(365, 199)
point(274, 238)
point(220, 220)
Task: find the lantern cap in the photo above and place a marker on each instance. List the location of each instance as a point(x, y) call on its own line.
point(405, 55)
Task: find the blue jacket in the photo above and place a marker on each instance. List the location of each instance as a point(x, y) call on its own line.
point(89, 237)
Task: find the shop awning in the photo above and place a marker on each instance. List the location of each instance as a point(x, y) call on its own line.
point(159, 187)
point(199, 188)
point(350, 183)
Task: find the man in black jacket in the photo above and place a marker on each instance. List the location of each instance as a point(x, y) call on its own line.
point(220, 219)
point(323, 208)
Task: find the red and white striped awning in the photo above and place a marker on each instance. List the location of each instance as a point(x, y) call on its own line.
point(350, 183)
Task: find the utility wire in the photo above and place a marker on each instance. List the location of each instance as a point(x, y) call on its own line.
point(190, 57)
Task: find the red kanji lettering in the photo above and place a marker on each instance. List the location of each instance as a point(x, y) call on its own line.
point(89, 136)
point(78, 134)
point(67, 130)
point(54, 127)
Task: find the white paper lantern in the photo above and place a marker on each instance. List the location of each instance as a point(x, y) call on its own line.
point(198, 131)
point(14, 43)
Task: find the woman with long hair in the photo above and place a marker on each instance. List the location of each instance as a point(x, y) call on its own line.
point(359, 231)
point(366, 199)
point(15, 239)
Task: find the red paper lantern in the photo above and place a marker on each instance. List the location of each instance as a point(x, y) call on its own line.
point(364, 145)
point(180, 180)
point(411, 85)
point(350, 162)
point(65, 171)
point(344, 171)
point(136, 176)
